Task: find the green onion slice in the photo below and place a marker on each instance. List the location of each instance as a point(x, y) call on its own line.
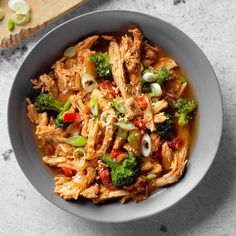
point(126, 125)
point(106, 118)
point(119, 105)
point(93, 104)
point(88, 82)
point(19, 6)
point(149, 77)
point(77, 141)
point(122, 133)
point(79, 151)
point(10, 25)
point(20, 19)
point(151, 176)
point(156, 89)
point(132, 137)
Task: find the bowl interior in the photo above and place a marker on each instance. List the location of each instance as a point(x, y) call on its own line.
point(177, 44)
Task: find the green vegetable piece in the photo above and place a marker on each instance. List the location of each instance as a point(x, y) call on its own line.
point(1, 15)
point(146, 87)
point(182, 79)
point(59, 119)
point(132, 137)
point(77, 141)
point(124, 173)
point(186, 109)
point(119, 105)
point(79, 151)
point(46, 102)
point(163, 75)
point(94, 107)
point(151, 176)
point(10, 25)
point(122, 133)
point(164, 128)
point(103, 67)
point(125, 125)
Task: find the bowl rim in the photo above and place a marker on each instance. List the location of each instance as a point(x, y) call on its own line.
point(151, 213)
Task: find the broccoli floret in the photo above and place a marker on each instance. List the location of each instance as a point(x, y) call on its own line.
point(186, 109)
point(165, 127)
point(146, 87)
point(124, 173)
point(59, 121)
point(45, 102)
point(103, 67)
point(163, 75)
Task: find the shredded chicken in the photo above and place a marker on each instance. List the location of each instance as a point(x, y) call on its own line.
point(66, 188)
point(131, 54)
point(59, 161)
point(156, 142)
point(159, 106)
point(150, 54)
point(108, 194)
point(117, 68)
point(50, 133)
point(179, 161)
point(132, 108)
point(148, 115)
point(160, 117)
point(46, 83)
point(91, 192)
point(93, 132)
point(181, 90)
point(104, 98)
point(167, 156)
point(165, 62)
point(110, 129)
point(87, 43)
point(32, 113)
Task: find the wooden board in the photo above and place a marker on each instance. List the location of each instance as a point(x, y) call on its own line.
point(42, 12)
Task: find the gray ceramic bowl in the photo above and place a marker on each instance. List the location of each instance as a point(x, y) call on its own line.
point(188, 55)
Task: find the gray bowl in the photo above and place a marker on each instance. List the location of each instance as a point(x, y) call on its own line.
point(175, 42)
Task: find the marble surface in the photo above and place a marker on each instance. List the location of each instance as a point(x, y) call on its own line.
point(208, 210)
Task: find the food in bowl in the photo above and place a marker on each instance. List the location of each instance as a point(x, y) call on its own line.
point(114, 117)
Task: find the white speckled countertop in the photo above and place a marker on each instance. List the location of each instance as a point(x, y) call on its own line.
point(210, 209)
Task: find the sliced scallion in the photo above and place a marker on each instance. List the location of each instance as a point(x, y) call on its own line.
point(132, 137)
point(126, 125)
point(77, 141)
point(151, 176)
point(88, 82)
point(156, 89)
point(149, 77)
point(93, 104)
point(10, 25)
point(19, 6)
point(122, 133)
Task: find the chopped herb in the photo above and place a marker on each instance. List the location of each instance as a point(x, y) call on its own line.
point(10, 25)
